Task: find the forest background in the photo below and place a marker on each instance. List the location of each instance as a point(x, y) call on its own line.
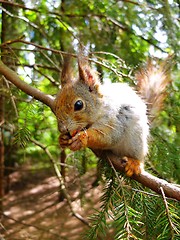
point(119, 37)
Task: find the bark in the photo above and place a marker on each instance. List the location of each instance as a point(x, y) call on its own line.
point(3, 32)
point(1, 153)
point(145, 178)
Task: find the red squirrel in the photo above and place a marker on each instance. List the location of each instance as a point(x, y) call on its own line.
point(109, 116)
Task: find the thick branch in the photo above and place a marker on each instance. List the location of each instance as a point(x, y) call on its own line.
point(145, 178)
point(37, 94)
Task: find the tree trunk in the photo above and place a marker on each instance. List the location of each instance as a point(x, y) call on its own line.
point(2, 121)
point(1, 152)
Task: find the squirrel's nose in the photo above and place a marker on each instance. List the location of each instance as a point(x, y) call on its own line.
point(62, 128)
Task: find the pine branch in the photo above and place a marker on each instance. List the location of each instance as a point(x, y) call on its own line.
point(145, 178)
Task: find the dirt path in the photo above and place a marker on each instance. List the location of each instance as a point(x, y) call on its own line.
point(32, 210)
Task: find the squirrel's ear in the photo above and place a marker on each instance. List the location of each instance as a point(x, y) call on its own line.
point(67, 72)
point(87, 75)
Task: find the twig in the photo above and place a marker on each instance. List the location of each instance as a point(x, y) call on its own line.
point(54, 83)
point(18, 5)
point(111, 68)
point(18, 17)
point(12, 98)
point(12, 41)
point(61, 181)
point(37, 46)
point(167, 212)
point(50, 60)
point(35, 66)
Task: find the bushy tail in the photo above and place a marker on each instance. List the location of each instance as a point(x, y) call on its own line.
point(152, 82)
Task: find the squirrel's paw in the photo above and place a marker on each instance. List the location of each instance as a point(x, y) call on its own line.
point(65, 140)
point(74, 142)
point(79, 141)
point(133, 166)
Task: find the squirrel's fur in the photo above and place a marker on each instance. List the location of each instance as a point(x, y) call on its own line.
point(108, 116)
point(152, 82)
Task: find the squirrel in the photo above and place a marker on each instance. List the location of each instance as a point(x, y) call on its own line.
point(109, 116)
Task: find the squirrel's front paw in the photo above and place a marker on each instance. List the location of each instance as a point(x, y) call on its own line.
point(65, 140)
point(133, 166)
point(79, 141)
point(74, 142)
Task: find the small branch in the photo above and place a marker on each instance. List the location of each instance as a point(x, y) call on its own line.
point(18, 17)
point(61, 181)
point(144, 5)
point(12, 98)
point(37, 46)
point(18, 5)
point(35, 66)
point(167, 212)
point(145, 178)
point(11, 41)
point(112, 68)
point(37, 94)
point(54, 83)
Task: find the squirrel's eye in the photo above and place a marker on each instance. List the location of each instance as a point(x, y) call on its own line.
point(78, 105)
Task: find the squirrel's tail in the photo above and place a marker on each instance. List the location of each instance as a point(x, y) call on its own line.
point(152, 83)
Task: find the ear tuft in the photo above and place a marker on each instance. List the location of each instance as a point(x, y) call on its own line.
point(87, 75)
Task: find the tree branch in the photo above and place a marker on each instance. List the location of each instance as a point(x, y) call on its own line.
point(20, 40)
point(145, 178)
point(11, 76)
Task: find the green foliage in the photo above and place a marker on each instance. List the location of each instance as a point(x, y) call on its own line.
point(132, 213)
point(99, 219)
point(164, 147)
point(22, 136)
